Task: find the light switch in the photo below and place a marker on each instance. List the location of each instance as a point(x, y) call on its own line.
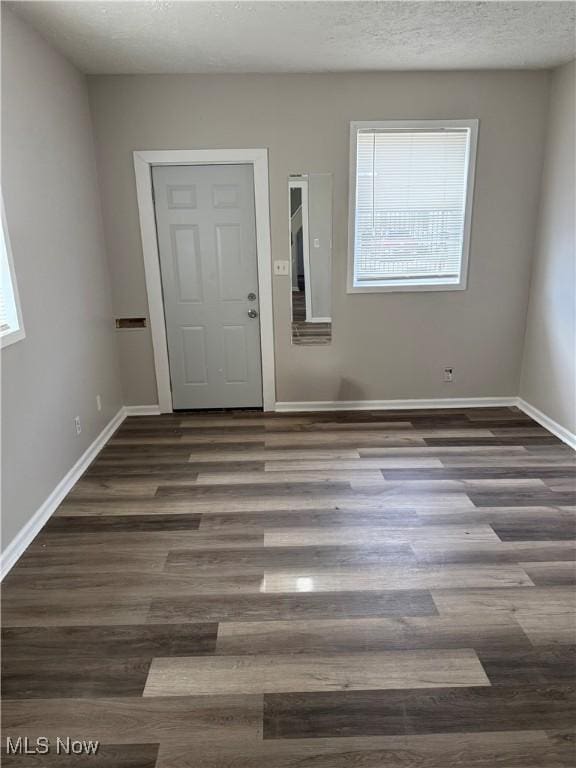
point(316, 242)
point(281, 267)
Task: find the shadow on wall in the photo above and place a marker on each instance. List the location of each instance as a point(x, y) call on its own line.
point(350, 390)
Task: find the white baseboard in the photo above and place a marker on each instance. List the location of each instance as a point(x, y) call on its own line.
point(552, 426)
point(24, 537)
point(395, 405)
point(142, 410)
point(455, 402)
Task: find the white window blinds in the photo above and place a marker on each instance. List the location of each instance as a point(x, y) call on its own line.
point(410, 206)
point(8, 318)
point(10, 322)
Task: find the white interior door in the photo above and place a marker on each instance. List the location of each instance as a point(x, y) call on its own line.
point(207, 243)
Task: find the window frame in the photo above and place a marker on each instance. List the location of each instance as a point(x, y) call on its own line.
point(11, 337)
point(358, 125)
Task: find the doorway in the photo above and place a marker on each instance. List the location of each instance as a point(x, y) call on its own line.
point(185, 373)
point(206, 229)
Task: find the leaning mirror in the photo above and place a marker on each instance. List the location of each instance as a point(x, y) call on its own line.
point(310, 216)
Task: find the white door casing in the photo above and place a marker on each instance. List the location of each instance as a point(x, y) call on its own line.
point(258, 158)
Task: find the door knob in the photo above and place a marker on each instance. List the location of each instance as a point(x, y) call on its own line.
point(251, 297)
point(252, 313)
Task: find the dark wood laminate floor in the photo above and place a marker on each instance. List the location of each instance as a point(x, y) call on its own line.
point(304, 332)
point(365, 589)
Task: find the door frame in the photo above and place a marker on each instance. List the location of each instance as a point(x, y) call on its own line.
point(258, 159)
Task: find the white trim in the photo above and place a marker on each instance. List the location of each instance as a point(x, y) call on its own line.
point(258, 158)
point(392, 405)
point(142, 410)
point(454, 402)
point(30, 530)
point(552, 426)
point(17, 334)
point(357, 125)
point(12, 337)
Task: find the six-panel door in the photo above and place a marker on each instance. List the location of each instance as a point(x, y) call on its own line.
point(207, 243)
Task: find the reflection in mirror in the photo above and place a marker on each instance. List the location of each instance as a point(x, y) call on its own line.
point(311, 257)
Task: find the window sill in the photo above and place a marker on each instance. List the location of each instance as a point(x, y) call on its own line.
point(406, 288)
point(12, 337)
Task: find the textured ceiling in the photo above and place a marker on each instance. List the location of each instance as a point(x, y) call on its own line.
point(320, 36)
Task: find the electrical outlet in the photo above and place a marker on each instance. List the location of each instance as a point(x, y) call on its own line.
point(281, 267)
point(98, 402)
point(448, 374)
point(77, 424)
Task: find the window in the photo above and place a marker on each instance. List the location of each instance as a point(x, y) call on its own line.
point(410, 204)
point(11, 327)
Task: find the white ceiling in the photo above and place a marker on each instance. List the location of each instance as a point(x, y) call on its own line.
point(294, 36)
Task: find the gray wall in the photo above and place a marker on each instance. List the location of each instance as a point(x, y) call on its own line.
point(53, 212)
point(320, 228)
point(384, 345)
point(548, 373)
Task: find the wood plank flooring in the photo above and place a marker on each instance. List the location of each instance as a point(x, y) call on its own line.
point(246, 590)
